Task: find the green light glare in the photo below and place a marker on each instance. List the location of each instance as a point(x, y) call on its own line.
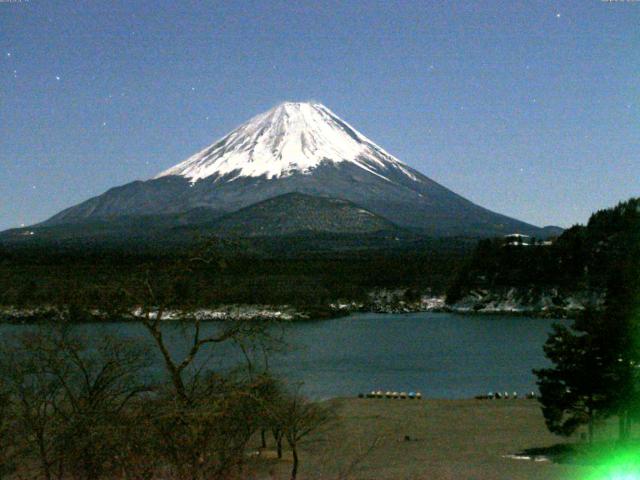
point(621, 464)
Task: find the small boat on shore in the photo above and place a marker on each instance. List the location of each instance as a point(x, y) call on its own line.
point(392, 395)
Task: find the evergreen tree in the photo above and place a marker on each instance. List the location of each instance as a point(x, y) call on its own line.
point(575, 390)
point(596, 361)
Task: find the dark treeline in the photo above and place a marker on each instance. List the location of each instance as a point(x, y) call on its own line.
point(582, 257)
point(312, 271)
point(50, 274)
point(595, 371)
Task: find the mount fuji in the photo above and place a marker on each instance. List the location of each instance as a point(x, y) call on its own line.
point(294, 148)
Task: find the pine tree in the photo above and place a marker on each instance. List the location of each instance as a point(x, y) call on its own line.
point(574, 391)
point(596, 361)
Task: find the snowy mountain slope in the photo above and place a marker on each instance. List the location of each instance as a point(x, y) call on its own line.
point(290, 138)
point(304, 148)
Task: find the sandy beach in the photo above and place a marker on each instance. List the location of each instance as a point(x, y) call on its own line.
point(429, 439)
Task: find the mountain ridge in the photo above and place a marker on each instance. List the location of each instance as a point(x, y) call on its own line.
point(304, 148)
point(295, 212)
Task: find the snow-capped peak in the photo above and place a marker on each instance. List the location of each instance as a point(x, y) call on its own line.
point(290, 138)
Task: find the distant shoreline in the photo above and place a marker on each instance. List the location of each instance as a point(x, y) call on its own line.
point(45, 314)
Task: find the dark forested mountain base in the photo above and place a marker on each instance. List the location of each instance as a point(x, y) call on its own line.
point(311, 270)
point(300, 271)
point(583, 258)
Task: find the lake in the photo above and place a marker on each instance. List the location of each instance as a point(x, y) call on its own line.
point(441, 355)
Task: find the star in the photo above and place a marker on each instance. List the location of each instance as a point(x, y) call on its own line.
point(557, 15)
point(8, 54)
point(104, 124)
point(57, 78)
point(193, 89)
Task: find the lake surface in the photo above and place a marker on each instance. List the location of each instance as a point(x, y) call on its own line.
point(441, 355)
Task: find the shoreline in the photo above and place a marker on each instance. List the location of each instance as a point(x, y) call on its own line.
point(287, 313)
point(547, 303)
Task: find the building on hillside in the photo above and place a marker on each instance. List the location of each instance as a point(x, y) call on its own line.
point(521, 240)
point(517, 240)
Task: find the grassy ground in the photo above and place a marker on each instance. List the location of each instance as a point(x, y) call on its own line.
point(429, 439)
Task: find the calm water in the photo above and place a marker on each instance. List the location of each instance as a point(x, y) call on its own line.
point(441, 355)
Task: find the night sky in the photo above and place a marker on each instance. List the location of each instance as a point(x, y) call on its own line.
point(530, 108)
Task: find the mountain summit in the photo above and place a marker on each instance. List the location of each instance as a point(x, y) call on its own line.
point(290, 138)
point(300, 148)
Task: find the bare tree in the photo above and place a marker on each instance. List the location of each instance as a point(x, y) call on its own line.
point(294, 418)
point(206, 419)
point(205, 416)
point(68, 398)
point(157, 298)
point(98, 382)
point(33, 395)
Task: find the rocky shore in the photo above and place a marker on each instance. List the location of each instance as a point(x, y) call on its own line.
point(550, 303)
point(539, 302)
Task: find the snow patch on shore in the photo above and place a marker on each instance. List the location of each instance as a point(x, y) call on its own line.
point(548, 301)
